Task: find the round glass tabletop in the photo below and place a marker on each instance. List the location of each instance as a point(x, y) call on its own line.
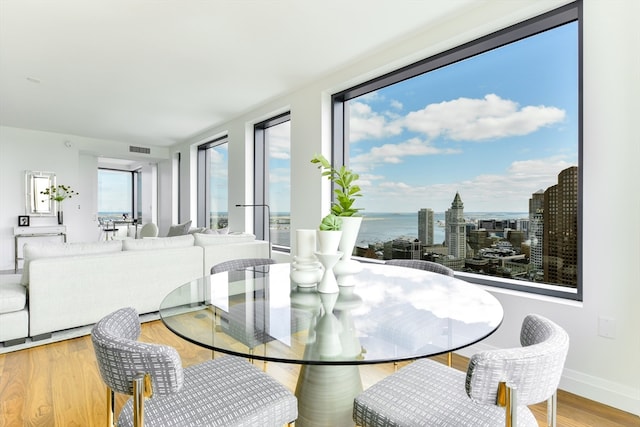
point(381, 314)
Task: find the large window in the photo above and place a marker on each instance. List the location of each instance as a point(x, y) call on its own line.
point(477, 151)
point(119, 195)
point(213, 184)
point(273, 179)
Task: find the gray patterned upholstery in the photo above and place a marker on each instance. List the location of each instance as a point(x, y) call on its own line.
point(227, 391)
point(239, 264)
point(428, 393)
point(422, 265)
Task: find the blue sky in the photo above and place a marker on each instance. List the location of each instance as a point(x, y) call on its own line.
point(114, 191)
point(495, 128)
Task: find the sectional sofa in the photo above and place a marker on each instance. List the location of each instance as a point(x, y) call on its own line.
point(67, 285)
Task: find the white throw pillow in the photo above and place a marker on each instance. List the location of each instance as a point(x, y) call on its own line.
point(34, 251)
point(162, 243)
point(179, 229)
point(222, 239)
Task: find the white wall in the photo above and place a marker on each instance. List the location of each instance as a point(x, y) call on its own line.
point(599, 368)
point(76, 165)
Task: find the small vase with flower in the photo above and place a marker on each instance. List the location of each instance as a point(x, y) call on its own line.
point(59, 193)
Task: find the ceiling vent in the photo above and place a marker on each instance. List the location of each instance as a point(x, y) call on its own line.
point(143, 150)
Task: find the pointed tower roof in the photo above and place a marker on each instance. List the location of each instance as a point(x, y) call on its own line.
point(457, 202)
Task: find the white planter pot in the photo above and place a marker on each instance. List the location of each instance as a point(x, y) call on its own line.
point(328, 241)
point(350, 229)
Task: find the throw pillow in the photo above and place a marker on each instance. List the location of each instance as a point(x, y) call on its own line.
point(179, 229)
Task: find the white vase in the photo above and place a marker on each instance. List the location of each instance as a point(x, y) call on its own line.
point(350, 229)
point(305, 245)
point(328, 241)
point(328, 284)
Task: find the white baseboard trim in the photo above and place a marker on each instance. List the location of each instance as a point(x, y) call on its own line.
point(67, 334)
point(601, 390)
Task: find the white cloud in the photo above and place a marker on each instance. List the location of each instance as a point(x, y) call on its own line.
point(365, 123)
point(466, 119)
point(396, 105)
point(393, 153)
point(509, 191)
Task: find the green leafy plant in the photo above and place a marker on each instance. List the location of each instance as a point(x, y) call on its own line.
point(347, 190)
point(331, 222)
point(59, 192)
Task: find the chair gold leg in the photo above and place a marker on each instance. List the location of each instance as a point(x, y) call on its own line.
point(449, 359)
point(507, 398)
point(110, 407)
point(552, 408)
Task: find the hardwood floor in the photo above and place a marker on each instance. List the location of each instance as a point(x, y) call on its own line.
point(59, 385)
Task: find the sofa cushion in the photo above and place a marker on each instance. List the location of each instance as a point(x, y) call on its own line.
point(202, 239)
point(13, 294)
point(179, 229)
point(51, 250)
point(162, 243)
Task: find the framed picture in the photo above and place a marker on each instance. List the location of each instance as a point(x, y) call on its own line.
point(23, 220)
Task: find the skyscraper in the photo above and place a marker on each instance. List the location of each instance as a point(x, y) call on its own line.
point(456, 234)
point(560, 241)
point(536, 229)
point(425, 226)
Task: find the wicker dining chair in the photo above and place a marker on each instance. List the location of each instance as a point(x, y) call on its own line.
point(422, 265)
point(228, 391)
point(496, 389)
point(239, 264)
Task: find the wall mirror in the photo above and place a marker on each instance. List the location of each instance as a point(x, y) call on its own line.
point(39, 204)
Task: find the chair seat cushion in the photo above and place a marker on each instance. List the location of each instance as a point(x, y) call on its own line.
point(248, 398)
point(428, 393)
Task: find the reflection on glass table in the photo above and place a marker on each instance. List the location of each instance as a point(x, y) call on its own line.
point(385, 314)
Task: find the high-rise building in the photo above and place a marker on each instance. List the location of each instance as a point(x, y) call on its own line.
point(560, 241)
point(425, 226)
point(536, 230)
point(456, 232)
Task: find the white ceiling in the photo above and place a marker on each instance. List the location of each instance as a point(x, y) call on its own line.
point(156, 72)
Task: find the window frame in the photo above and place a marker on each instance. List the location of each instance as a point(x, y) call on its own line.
point(136, 177)
point(203, 182)
point(261, 176)
point(569, 13)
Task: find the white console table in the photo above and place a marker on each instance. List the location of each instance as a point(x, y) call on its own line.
point(36, 231)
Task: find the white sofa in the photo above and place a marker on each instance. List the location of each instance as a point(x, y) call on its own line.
point(67, 285)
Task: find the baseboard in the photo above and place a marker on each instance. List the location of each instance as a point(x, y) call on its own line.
point(603, 391)
point(67, 334)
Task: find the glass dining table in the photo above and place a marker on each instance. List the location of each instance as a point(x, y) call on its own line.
point(381, 314)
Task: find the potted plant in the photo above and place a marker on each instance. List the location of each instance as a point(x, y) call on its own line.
point(346, 191)
point(59, 193)
point(329, 233)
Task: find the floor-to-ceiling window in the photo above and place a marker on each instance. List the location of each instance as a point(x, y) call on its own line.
point(273, 179)
point(118, 194)
point(213, 184)
point(475, 155)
